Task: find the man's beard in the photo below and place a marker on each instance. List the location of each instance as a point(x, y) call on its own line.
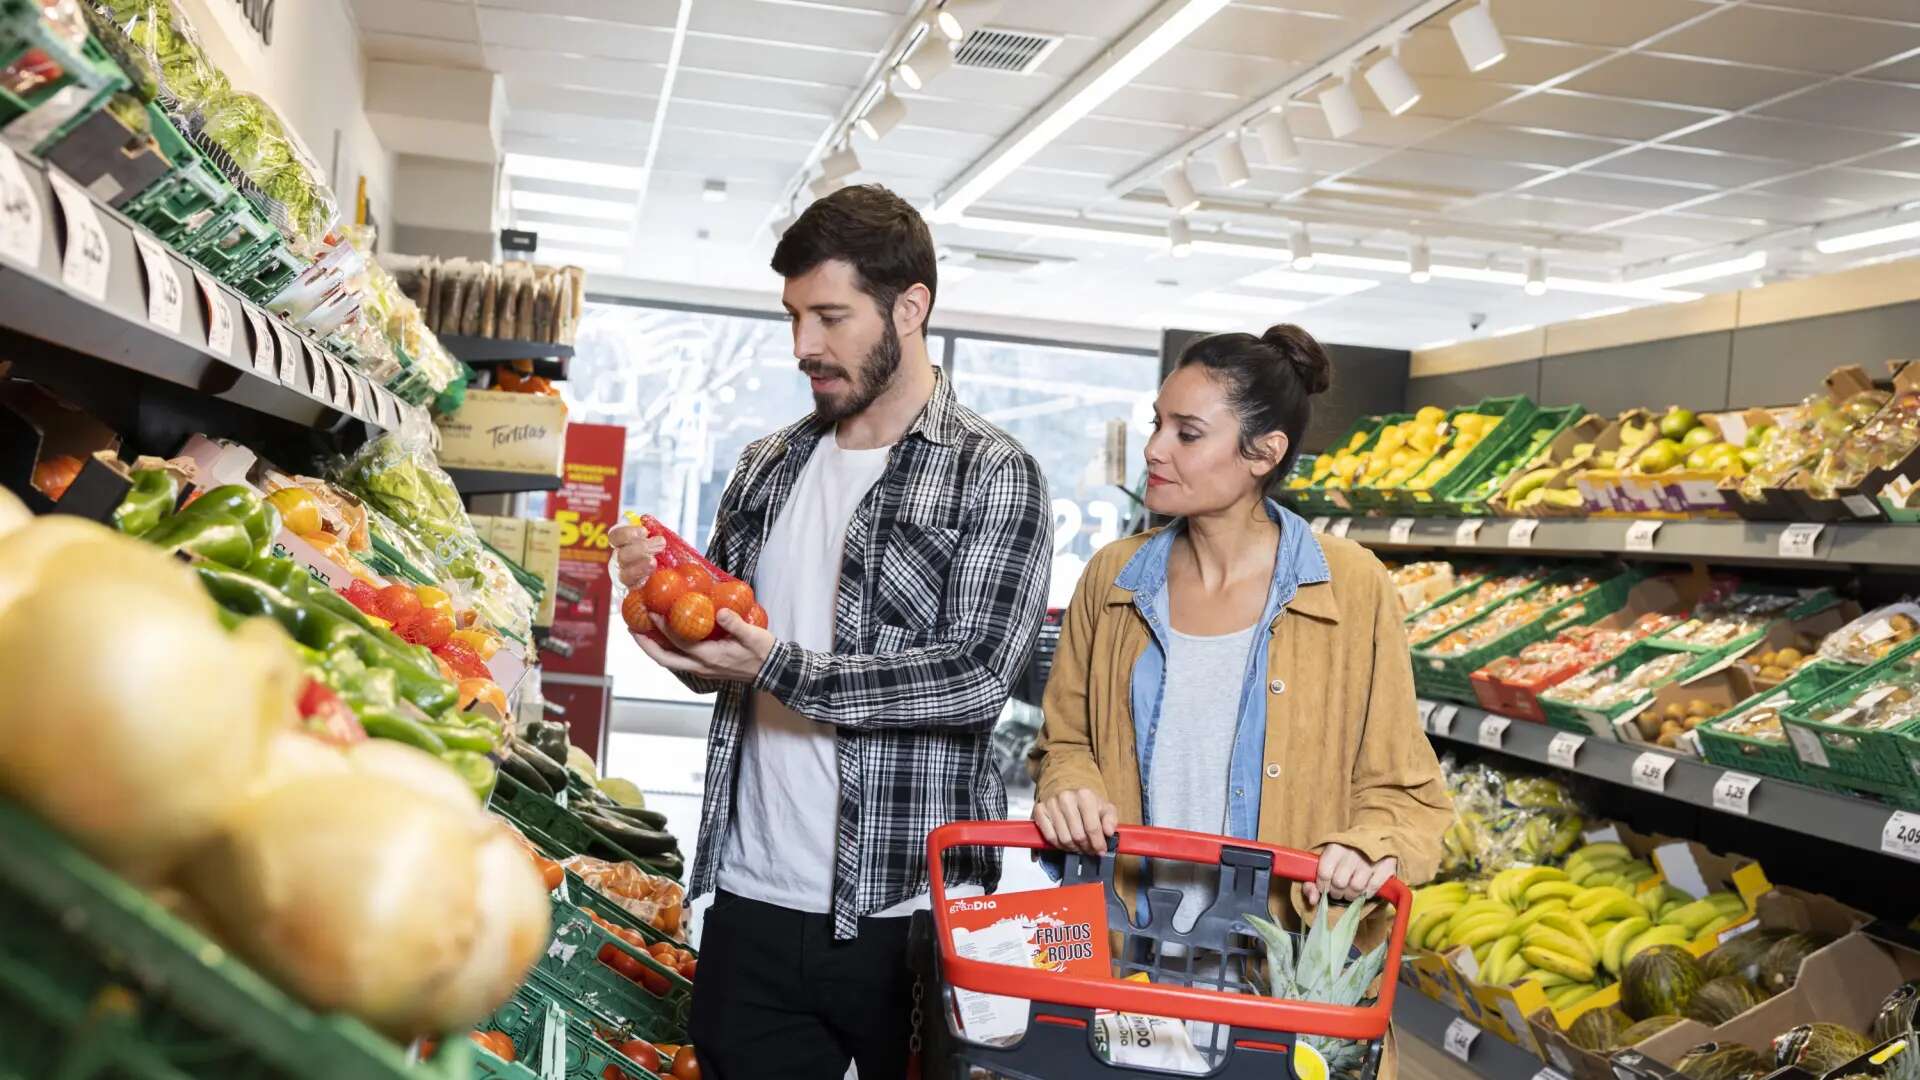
point(876, 373)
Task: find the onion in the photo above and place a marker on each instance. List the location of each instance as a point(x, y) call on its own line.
point(353, 892)
point(514, 928)
point(63, 549)
point(292, 755)
point(414, 769)
point(131, 720)
point(13, 512)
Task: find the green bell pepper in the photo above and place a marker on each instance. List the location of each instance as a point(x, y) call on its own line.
point(260, 517)
point(396, 725)
point(151, 498)
point(461, 737)
point(476, 769)
point(212, 536)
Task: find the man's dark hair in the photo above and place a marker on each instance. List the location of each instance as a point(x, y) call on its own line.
point(874, 230)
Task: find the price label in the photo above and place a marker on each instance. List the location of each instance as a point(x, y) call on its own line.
point(165, 296)
point(1564, 749)
point(1732, 932)
point(1733, 792)
point(1442, 720)
point(1520, 533)
point(87, 258)
point(1797, 541)
point(1650, 770)
point(1861, 506)
point(1340, 526)
point(1318, 525)
point(389, 410)
point(1467, 533)
point(1689, 742)
point(19, 212)
point(1426, 713)
point(1549, 1074)
point(1400, 531)
point(1901, 837)
point(1605, 834)
point(1640, 535)
point(363, 397)
point(263, 361)
point(1493, 731)
point(219, 315)
point(1460, 1036)
point(319, 372)
point(1807, 747)
point(290, 359)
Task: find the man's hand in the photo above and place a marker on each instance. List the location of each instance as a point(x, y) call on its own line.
point(1078, 820)
point(1345, 874)
point(736, 654)
point(633, 552)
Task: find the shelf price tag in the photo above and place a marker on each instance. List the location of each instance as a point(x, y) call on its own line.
point(1564, 749)
point(1797, 541)
point(1901, 836)
point(1520, 533)
point(165, 297)
point(1318, 525)
point(290, 359)
point(1340, 526)
point(1442, 719)
point(1426, 713)
point(1467, 533)
point(87, 258)
point(1460, 1036)
point(219, 315)
point(1493, 731)
point(1861, 506)
point(321, 384)
point(1650, 770)
point(1400, 531)
point(1640, 534)
point(262, 342)
point(1733, 792)
point(1806, 747)
point(389, 409)
point(19, 212)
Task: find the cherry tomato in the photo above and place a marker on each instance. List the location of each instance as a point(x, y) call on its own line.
point(496, 1043)
point(617, 959)
point(654, 982)
point(633, 608)
point(685, 1065)
point(396, 604)
point(758, 616)
point(427, 1047)
point(697, 578)
point(615, 1072)
point(692, 617)
point(643, 1054)
point(552, 873)
point(663, 587)
point(429, 626)
point(736, 596)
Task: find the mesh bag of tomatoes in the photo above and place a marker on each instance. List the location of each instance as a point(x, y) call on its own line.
point(687, 591)
point(423, 615)
point(646, 986)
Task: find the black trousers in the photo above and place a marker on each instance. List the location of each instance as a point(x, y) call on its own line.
point(778, 999)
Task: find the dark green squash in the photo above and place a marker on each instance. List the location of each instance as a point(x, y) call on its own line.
point(1742, 955)
point(1722, 999)
point(1780, 967)
point(1721, 1061)
point(1660, 980)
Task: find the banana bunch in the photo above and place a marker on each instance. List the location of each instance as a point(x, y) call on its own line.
point(1607, 864)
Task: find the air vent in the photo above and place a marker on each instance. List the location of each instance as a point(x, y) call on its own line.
point(995, 49)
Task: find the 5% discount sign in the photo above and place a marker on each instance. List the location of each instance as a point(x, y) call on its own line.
point(576, 533)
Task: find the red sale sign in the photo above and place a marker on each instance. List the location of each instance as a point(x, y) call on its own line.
point(585, 507)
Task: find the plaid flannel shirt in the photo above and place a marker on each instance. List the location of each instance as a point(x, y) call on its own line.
point(943, 582)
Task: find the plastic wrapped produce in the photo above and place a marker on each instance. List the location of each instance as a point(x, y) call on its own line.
point(1804, 434)
point(1479, 599)
point(1873, 635)
point(1609, 686)
point(1882, 442)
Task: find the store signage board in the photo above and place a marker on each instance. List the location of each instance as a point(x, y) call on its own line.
point(1400, 531)
point(219, 316)
point(1318, 525)
point(1520, 533)
point(1467, 533)
point(1798, 541)
point(1650, 770)
point(1901, 836)
point(262, 342)
point(1564, 749)
point(88, 257)
point(1640, 535)
point(19, 212)
point(1442, 719)
point(1733, 792)
point(165, 297)
point(1493, 732)
point(1459, 1038)
point(1340, 526)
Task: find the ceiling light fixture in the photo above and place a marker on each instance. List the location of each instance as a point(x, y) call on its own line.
point(573, 205)
point(842, 162)
point(714, 191)
point(1392, 85)
point(1419, 263)
point(1536, 276)
point(962, 17)
point(1179, 238)
point(1231, 162)
point(884, 116)
point(1276, 137)
point(1181, 195)
point(1870, 231)
point(781, 224)
point(1745, 264)
point(926, 62)
point(1341, 109)
point(567, 170)
point(825, 186)
point(1149, 40)
point(1302, 249)
point(1631, 290)
point(1481, 45)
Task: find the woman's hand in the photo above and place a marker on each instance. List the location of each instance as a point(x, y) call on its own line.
point(1345, 874)
point(633, 554)
point(1078, 820)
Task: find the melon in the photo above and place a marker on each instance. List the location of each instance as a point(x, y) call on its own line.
point(1722, 999)
point(1644, 1030)
point(1721, 1061)
point(1780, 967)
point(1596, 1029)
point(1819, 1048)
point(1896, 1015)
point(1741, 955)
point(1660, 980)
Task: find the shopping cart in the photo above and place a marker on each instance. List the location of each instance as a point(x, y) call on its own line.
point(1203, 975)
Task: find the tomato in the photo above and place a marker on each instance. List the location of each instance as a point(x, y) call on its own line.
point(687, 969)
point(663, 587)
point(661, 951)
point(618, 959)
point(396, 603)
point(697, 578)
point(429, 626)
point(427, 1047)
point(642, 1053)
point(497, 1043)
point(464, 661)
point(363, 596)
point(615, 1072)
point(54, 475)
point(552, 873)
point(692, 617)
point(736, 596)
point(758, 616)
point(685, 1065)
point(633, 608)
point(654, 982)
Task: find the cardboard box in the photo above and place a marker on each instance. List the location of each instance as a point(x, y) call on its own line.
point(1803, 634)
point(510, 539)
point(1782, 908)
point(520, 433)
point(1693, 493)
point(35, 426)
point(1600, 488)
point(1722, 689)
point(1858, 502)
point(543, 560)
point(1780, 503)
point(318, 566)
point(1587, 429)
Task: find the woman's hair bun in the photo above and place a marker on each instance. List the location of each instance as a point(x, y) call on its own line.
point(1310, 361)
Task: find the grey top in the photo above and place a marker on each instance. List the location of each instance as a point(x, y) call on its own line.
point(1191, 749)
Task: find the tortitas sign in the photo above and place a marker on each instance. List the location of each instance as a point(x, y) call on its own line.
point(259, 15)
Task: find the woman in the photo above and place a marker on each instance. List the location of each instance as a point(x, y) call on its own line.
point(1233, 673)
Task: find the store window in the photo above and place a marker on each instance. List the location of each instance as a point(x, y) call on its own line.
point(1058, 402)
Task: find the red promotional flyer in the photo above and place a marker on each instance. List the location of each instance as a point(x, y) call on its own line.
point(585, 507)
point(1061, 930)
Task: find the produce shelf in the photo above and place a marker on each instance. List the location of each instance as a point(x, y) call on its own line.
point(1881, 544)
point(36, 301)
point(550, 358)
point(494, 482)
point(1425, 1019)
point(1829, 816)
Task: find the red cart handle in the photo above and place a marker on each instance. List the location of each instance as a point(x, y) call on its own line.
point(1364, 1023)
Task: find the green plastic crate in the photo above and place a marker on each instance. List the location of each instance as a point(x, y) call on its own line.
point(554, 1038)
point(572, 962)
point(1455, 493)
point(1450, 677)
point(1767, 757)
point(98, 980)
point(1515, 412)
point(88, 77)
point(1877, 762)
point(1357, 498)
point(192, 197)
point(527, 807)
point(1586, 720)
point(268, 273)
point(228, 250)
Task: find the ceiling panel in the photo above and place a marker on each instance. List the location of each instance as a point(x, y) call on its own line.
point(1614, 191)
point(582, 37)
point(1792, 39)
point(782, 26)
point(750, 88)
point(1486, 140)
point(1898, 10)
point(1469, 176)
point(522, 142)
point(1265, 32)
point(1906, 71)
point(1811, 143)
point(1876, 106)
point(532, 67)
point(1694, 166)
point(1577, 115)
point(424, 50)
point(1855, 185)
point(1430, 50)
point(1621, 22)
point(813, 66)
point(643, 12)
point(569, 125)
point(1905, 159)
point(1686, 81)
point(1778, 209)
point(577, 100)
point(1449, 98)
point(1166, 106)
point(420, 18)
point(1538, 211)
point(1718, 230)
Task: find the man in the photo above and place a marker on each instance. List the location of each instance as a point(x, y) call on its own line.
point(900, 546)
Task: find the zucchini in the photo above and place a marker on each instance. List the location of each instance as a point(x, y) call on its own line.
point(646, 819)
point(554, 773)
point(513, 766)
point(636, 840)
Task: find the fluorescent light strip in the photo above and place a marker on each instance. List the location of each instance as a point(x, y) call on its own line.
point(586, 260)
point(614, 235)
point(536, 167)
point(1249, 305)
point(1745, 264)
point(573, 204)
point(1636, 290)
point(1888, 234)
point(1437, 344)
point(1124, 68)
point(1119, 233)
point(1285, 280)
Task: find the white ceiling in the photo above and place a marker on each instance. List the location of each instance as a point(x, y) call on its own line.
point(1613, 139)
